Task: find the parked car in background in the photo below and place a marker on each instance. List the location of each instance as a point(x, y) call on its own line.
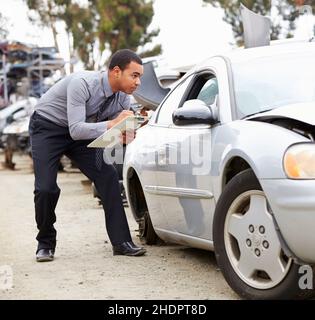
point(227, 163)
point(14, 135)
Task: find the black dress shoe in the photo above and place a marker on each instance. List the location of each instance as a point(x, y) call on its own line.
point(44, 255)
point(128, 249)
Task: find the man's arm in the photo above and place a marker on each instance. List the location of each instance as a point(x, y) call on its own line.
point(77, 95)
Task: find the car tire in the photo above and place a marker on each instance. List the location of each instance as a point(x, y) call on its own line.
point(247, 247)
point(146, 230)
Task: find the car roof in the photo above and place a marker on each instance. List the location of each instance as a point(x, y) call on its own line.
point(279, 47)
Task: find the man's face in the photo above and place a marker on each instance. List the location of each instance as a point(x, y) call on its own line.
point(129, 79)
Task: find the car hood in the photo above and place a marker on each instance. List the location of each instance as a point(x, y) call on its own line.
point(303, 112)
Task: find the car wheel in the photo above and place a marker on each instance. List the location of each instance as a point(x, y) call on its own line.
point(247, 247)
point(146, 230)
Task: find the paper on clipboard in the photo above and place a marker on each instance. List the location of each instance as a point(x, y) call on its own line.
point(111, 137)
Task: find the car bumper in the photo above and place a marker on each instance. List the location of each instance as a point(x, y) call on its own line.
point(293, 205)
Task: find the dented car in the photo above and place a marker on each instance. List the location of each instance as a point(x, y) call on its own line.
point(227, 164)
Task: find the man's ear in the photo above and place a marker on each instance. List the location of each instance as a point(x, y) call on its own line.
point(117, 72)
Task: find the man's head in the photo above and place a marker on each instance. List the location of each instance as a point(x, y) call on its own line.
point(125, 70)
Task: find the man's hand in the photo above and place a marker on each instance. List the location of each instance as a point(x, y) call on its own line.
point(124, 114)
point(127, 136)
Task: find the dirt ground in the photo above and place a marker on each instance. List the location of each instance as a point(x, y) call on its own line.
point(84, 266)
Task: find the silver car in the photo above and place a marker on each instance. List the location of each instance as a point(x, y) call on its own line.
point(227, 163)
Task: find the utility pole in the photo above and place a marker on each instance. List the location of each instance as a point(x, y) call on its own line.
point(5, 82)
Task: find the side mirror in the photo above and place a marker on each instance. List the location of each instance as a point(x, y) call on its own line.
point(195, 112)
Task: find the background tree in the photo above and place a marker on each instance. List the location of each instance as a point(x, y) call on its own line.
point(288, 11)
point(112, 24)
point(49, 12)
point(124, 23)
point(155, 51)
point(3, 27)
point(81, 28)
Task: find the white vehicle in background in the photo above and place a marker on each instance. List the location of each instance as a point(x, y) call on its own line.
point(14, 121)
point(12, 112)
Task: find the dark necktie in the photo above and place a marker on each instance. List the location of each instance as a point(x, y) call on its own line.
point(99, 151)
point(103, 106)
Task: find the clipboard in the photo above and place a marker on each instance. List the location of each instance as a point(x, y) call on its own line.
point(111, 137)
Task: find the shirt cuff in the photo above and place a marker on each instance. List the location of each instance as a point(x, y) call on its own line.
point(99, 129)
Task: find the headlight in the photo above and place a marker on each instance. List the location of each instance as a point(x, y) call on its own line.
point(299, 161)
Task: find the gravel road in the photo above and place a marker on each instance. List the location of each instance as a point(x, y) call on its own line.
point(84, 267)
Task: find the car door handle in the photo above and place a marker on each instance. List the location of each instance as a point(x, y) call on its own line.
point(162, 156)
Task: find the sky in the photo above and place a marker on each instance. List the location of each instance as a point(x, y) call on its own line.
point(190, 31)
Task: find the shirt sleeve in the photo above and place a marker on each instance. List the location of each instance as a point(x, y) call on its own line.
point(77, 96)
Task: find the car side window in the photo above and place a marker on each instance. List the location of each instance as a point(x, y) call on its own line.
point(204, 87)
point(172, 103)
point(209, 92)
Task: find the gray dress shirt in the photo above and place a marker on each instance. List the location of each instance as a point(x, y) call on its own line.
point(75, 100)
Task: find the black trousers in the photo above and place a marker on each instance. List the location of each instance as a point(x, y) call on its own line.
point(49, 142)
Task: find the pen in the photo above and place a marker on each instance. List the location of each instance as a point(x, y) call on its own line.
point(131, 108)
point(138, 117)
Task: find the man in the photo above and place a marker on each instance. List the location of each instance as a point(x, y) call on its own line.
point(67, 118)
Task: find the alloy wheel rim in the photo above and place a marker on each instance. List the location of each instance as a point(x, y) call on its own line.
point(252, 244)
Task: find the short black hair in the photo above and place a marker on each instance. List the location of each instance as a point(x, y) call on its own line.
point(122, 58)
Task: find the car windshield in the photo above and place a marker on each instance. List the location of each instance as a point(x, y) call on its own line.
point(266, 83)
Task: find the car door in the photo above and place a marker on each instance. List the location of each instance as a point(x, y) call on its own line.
point(183, 163)
point(148, 152)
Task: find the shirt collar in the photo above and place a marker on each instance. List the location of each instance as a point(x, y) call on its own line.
point(106, 86)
